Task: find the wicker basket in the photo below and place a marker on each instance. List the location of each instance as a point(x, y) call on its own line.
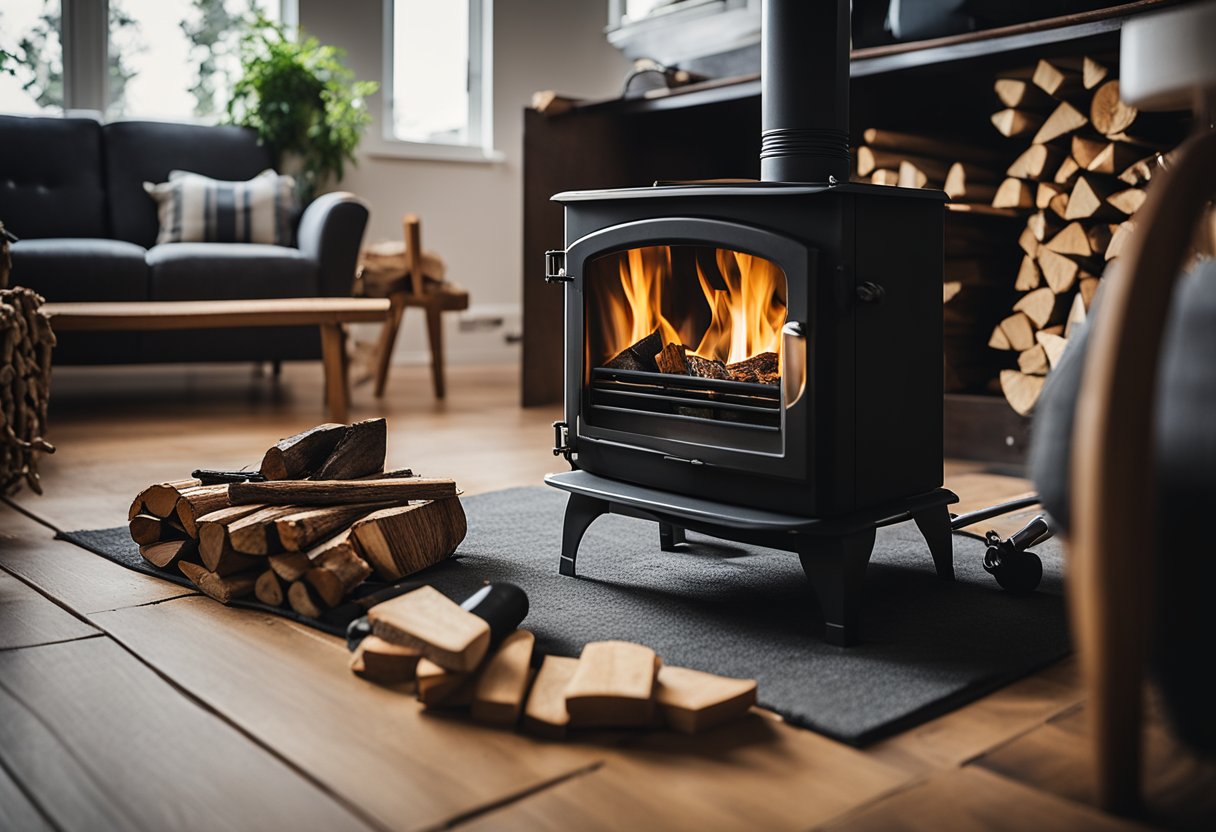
point(26, 342)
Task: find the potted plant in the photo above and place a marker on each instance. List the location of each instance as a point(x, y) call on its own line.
point(303, 101)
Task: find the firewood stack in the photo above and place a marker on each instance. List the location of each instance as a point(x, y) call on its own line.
point(319, 518)
point(473, 656)
point(26, 342)
point(1079, 183)
point(976, 285)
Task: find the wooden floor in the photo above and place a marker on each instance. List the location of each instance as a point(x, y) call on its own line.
point(129, 703)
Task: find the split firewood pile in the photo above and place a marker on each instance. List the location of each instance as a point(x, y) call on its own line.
point(473, 656)
point(319, 518)
point(651, 355)
point(1074, 191)
point(26, 343)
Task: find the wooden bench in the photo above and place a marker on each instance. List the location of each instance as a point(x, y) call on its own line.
point(330, 314)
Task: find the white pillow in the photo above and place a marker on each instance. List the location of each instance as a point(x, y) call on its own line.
point(193, 208)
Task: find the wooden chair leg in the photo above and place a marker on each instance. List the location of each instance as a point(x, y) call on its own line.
point(434, 331)
point(333, 357)
point(388, 339)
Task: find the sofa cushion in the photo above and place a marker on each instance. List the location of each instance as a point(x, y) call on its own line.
point(145, 151)
point(198, 209)
point(81, 269)
point(230, 271)
point(51, 177)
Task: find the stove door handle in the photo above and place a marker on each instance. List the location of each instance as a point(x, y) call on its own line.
point(793, 362)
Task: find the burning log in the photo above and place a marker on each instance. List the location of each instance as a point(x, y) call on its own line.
point(759, 369)
point(639, 356)
point(672, 360)
point(707, 368)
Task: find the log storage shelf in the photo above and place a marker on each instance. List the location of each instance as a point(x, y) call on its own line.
point(1027, 137)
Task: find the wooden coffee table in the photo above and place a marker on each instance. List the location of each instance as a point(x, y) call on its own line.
point(330, 314)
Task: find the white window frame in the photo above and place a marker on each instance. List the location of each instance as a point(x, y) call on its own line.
point(85, 38)
point(480, 147)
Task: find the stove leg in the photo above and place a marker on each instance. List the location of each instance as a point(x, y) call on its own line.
point(836, 569)
point(670, 536)
point(581, 512)
point(934, 524)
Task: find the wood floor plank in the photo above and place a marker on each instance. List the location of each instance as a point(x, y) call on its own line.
point(755, 774)
point(16, 810)
point(28, 618)
point(102, 742)
point(986, 723)
point(971, 799)
point(1179, 786)
point(82, 581)
point(292, 689)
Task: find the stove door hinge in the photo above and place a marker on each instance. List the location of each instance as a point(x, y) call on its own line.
point(561, 440)
point(555, 267)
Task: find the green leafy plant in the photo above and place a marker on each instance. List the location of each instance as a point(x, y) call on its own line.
point(303, 101)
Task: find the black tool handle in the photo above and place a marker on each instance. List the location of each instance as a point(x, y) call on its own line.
point(502, 606)
point(1033, 532)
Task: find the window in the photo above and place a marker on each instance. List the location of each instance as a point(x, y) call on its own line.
point(158, 59)
point(437, 89)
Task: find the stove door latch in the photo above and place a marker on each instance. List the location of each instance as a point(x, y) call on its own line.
point(561, 440)
point(555, 267)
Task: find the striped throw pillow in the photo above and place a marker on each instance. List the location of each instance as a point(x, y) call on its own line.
point(193, 208)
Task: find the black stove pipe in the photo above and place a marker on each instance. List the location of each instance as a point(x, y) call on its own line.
point(805, 91)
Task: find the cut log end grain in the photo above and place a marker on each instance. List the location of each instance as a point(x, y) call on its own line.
point(999, 340)
point(884, 177)
point(1088, 199)
point(692, 701)
point(194, 503)
point(359, 452)
point(1013, 193)
point(298, 456)
point(1108, 112)
point(449, 636)
point(1085, 149)
point(1064, 120)
point(911, 176)
point(1028, 243)
point(1020, 93)
point(1041, 307)
point(168, 552)
point(336, 570)
point(870, 159)
point(1043, 224)
point(1012, 122)
point(146, 529)
point(379, 661)
point(1067, 173)
point(1045, 192)
point(303, 600)
point(1028, 277)
point(1059, 77)
point(1059, 205)
point(1092, 73)
point(1119, 240)
point(222, 589)
point(545, 713)
point(290, 566)
point(933, 147)
point(502, 684)
point(1035, 161)
point(1073, 240)
point(226, 561)
point(1076, 315)
point(401, 541)
point(968, 183)
point(1021, 390)
point(160, 499)
point(1114, 158)
point(1019, 331)
point(269, 589)
point(1059, 272)
point(255, 534)
point(1033, 361)
point(1127, 201)
point(613, 685)
point(673, 360)
point(1053, 347)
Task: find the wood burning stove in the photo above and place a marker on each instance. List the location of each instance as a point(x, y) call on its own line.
point(761, 361)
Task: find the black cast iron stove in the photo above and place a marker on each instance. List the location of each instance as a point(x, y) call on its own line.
point(761, 361)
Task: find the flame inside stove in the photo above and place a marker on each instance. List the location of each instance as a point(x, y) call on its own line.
point(733, 310)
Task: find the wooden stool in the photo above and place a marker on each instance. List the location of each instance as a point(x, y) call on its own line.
point(411, 290)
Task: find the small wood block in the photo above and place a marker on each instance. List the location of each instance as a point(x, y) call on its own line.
point(545, 714)
point(613, 685)
point(303, 600)
point(439, 687)
point(146, 529)
point(692, 701)
point(298, 456)
point(400, 541)
point(358, 453)
point(379, 661)
point(502, 685)
point(290, 566)
point(270, 589)
point(449, 636)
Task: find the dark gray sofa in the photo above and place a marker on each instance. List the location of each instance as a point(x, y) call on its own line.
point(72, 190)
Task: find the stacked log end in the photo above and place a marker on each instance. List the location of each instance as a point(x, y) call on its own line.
point(453, 659)
point(26, 342)
point(288, 536)
point(1079, 176)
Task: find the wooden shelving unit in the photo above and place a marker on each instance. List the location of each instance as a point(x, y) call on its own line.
point(712, 130)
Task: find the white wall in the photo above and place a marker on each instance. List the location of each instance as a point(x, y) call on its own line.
point(472, 212)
